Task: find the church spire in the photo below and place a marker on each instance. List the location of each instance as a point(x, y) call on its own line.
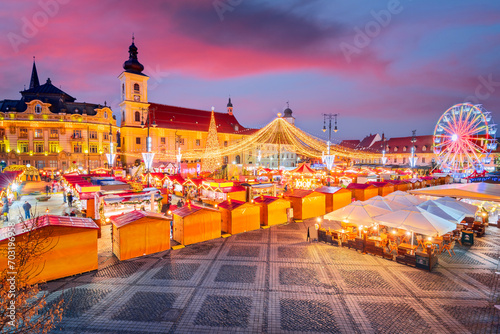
point(132, 64)
point(34, 82)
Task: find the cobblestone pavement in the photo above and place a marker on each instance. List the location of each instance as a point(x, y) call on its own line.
point(274, 281)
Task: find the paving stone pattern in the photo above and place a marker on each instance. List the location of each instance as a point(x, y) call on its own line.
point(274, 281)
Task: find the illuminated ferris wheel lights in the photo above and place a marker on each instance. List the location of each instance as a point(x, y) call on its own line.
point(454, 137)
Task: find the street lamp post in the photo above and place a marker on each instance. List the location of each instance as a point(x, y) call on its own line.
point(110, 156)
point(329, 159)
point(413, 158)
point(148, 156)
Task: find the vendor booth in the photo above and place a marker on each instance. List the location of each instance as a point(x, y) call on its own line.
point(335, 197)
point(306, 203)
point(238, 216)
point(174, 184)
point(273, 210)
point(399, 185)
point(362, 192)
point(214, 192)
point(384, 188)
point(192, 188)
point(139, 233)
point(71, 245)
point(194, 224)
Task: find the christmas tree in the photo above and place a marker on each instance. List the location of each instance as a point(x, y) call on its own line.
point(211, 160)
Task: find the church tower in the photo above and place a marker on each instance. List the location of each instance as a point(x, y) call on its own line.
point(134, 89)
point(230, 107)
point(287, 115)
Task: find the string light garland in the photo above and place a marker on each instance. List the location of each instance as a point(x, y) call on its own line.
point(279, 131)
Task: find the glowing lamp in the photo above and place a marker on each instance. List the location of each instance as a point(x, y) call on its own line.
point(393, 232)
point(216, 206)
point(107, 220)
point(407, 233)
point(318, 220)
point(169, 212)
point(47, 210)
point(454, 137)
point(429, 238)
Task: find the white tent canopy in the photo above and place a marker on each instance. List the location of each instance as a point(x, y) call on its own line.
point(358, 213)
point(443, 211)
point(381, 202)
point(475, 191)
point(417, 220)
point(467, 209)
point(403, 198)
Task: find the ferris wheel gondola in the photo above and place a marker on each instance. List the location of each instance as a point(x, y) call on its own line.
point(464, 138)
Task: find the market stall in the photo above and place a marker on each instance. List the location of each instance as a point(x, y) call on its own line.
point(399, 185)
point(192, 188)
point(174, 184)
point(362, 192)
point(239, 216)
point(384, 188)
point(335, 197)
point(216, 191)
point(194, 224)
point(71, 245)
point(273, 210)
point(306, 203)
point(139, 233)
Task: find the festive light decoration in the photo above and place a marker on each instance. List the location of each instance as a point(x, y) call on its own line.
point(463, 138)
point(211, 161)
point(148, 160)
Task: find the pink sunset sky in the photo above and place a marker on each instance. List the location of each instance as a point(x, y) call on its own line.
point(384, 66)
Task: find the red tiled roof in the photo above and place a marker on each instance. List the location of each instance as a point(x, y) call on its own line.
point(187, 210)
point(328, 190)
point(132, 216)
point(401, 142)
point(359, 186)
point(176, 178)
point(300, 193)
point(367, 141)
point(47, 220)
point(171, 117)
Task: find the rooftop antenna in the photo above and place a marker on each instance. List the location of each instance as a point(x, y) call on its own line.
point(133, 38)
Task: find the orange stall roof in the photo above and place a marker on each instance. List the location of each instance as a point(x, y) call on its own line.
point(132, 216)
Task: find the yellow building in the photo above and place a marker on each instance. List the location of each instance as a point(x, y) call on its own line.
point(174, 127)
point(48, 129)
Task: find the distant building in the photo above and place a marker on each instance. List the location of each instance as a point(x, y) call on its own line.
point(48, 129)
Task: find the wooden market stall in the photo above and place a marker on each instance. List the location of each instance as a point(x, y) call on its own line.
point(139, 233)
point(384, 188)
point(362, 192)
point(306, 203)
point(71, 245)
point(399, 185)
point(192, 188)
point(239, 216)
point(217, 191)
point(273, 210)
point(194, 224)
point(335, 197)
point(174, 184)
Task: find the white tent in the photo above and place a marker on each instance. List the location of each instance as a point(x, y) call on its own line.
point(381, 202)
point(358, 213)
point(468, 209)
point(417, 220)
point(443, 211)
point(403, 198)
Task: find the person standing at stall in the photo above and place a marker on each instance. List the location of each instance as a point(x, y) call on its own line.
point(27, 208)
point(70, 199)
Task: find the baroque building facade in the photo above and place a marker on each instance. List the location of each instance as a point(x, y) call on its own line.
point(48, 129)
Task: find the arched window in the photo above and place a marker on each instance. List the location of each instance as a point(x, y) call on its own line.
point(105, 115)
point(137, 89)
point(225, 160)
point(404, 149)
point(38, 109)
point(238, 159)
point(137, 116)
point(395, 148)
point(424, 148)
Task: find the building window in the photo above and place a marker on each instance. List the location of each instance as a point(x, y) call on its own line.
point(38, 133)
point(137, 89)
point(198, 142)
point(23, 133)
point(53, 147)
point(93, 148)
point(93, 134)
point(404, 160)
point(54, 133)
point(77, 148)
point(404, 149)
point(395, 149)
point(137, 116)
point(395, 160)
point(39, 147)
point(225, 143)
point(162, 140)
point(23, 147)
point(40, 164)
point(138, 140)
point(77, 134)
point(53, 164)
point(26, 162)
point(38, 109)
point(105, 115)
point(423, 160)
point(2, 148)
point(105, 136)
point(424, 148)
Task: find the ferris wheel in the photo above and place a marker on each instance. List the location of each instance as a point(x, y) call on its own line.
point(464, 138)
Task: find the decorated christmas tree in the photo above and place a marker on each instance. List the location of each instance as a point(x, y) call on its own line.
point(212, 159)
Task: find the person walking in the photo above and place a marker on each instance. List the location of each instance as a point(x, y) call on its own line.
point(64, 196)
point(27, 208)
point(70, 199)
point(47, 189)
